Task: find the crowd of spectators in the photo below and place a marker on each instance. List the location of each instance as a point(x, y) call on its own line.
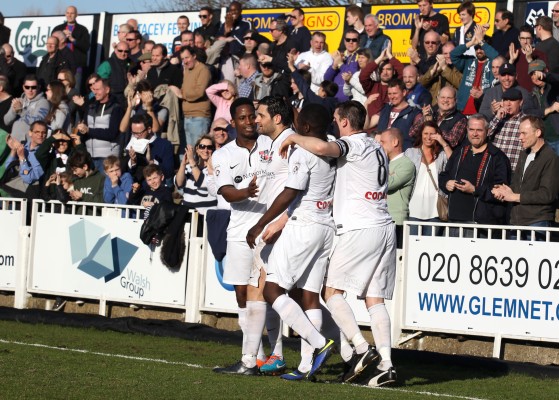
point(475, 116)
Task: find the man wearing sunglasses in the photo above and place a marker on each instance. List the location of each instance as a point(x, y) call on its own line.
point(115, 70)
point(31, 107)
point(299, 33)
point(208, 29)
point(345, 62)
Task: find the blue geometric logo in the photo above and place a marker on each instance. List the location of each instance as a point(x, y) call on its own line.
point(98, 255)
point(219, 275)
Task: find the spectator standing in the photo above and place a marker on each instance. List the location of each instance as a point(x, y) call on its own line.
point(355, 19)
point(31, 107)
point(208, 28)
point(13, 69)
point(466, 33)
point(192, 175)
point(397, 113)
point(546, 90)
point(429, 156)
point(401, 178)
point(505, 33)
point(5, 102)
point(442, 73)
point(521, 57)
point(547, 44)
point(183, 24)
point(115, 70)
point(196, 106)
point(388, 67)
point(492, 98)
point(299, 33)
point(100, 129)
point(134, 40)
point(4, 31)
point(58, 116)
point(281, 46)
point(22, 160)
point(162, 72)
point(555, 18)
point(476, 70)
point(503, 129)
point(344, 62)
point(66, 55)
point(534, 187)
point(78, 41)
point(451, 121)
point(316, 60)
point(234, 27)
point(248, 70)
point(416, 94)
point(470, 175)
point(51, 63)
point(376, 40)
point(428, 20)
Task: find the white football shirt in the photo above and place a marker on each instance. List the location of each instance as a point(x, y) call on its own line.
point(315, 177)
point(236, 166)
point(276, 170)
point(361, 184)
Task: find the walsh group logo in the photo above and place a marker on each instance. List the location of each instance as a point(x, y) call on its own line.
point(99, 255)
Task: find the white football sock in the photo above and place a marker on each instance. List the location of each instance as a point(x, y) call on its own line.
point(380, 326)
point(293, 315)
point(346, 351)
point(255, 320)
point(274, 328)
point(343, 315)
point(315, 316)
point(242, 324)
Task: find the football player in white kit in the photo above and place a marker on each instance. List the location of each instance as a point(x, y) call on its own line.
point(363, 261)
point(237, 165)
point(299, 257)
point(273, 120)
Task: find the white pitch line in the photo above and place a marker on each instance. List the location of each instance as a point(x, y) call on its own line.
point(161, 361)
point(434, 394)
point(157, 360)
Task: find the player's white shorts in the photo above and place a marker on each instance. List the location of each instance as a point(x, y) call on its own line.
point(300, 256)
point(364, 262)
point(236, 269)
point(260, 261)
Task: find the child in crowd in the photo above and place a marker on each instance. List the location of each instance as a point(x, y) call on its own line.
point(156, 191)
point(88, 182)
point(117, 185)
point(60, 184)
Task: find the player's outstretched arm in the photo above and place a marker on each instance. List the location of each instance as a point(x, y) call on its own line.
point(279, 205)
point(314, 145)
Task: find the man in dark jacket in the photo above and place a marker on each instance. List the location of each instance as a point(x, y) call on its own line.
point(51, 64)
point(534, 188)
point(13, 69)
point(78, 41)
point(115, 70)
point(470, 175)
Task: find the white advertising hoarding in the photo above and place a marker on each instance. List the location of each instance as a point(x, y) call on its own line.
point(101, 257)
point(159, 27)
point(10, 221)
point(482, 287)
point(29, 35)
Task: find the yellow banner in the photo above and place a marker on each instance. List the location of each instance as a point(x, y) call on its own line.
point(329, 20)
point(397, 20)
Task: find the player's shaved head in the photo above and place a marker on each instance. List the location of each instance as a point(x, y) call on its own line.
point(312, 115)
